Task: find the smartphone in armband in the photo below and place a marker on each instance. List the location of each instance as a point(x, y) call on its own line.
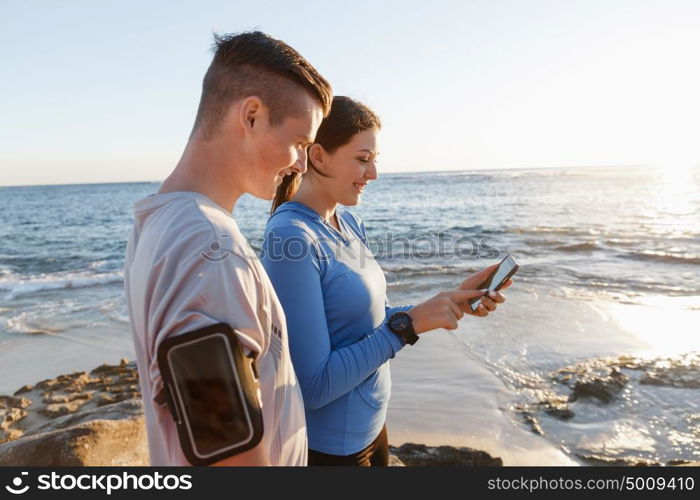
point(213, 392)
point(507, 268)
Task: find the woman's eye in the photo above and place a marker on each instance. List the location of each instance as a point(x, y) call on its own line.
point(364, 160)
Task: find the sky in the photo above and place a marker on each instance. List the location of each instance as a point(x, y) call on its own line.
point(107, 91)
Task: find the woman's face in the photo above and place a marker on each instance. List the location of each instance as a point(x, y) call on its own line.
point(350, 167)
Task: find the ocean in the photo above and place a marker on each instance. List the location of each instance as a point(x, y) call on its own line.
point(610, 267)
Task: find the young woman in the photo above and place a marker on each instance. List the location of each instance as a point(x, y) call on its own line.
point(342, 331)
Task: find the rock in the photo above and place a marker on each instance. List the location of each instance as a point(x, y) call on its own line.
point(9, 435)
point(126, 409)
point(682, 373)
point(60, 409)
point(534, 424)
point(50, 398)
point(61, 405)
point(395, 461)
point(14, 402)
point(24, 388)
point(557, 408)
point(108, 399)
point(75, 382)
point(551, 404)
point(11, 415)
point(114, 435)
point(12, 410)
point(105, 399)
point(442, 456)
point(531, 421)
point(679, 462)
point(603, 389)
point(123, 388)
point(623, 461)
point(124, 367)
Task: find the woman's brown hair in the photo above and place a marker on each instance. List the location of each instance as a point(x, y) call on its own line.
point(346, 118)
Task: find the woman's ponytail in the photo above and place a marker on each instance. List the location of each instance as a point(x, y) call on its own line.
point(285, 191)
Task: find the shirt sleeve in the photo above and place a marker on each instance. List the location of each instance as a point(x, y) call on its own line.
point(292, 262)
point(192, 292)
point(391, 310)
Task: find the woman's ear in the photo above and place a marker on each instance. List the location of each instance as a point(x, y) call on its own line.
point(317, 156)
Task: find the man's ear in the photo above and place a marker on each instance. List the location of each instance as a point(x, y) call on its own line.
point(251, 110)
point(317, 155)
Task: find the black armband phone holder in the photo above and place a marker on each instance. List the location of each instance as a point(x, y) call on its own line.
point(213, 393)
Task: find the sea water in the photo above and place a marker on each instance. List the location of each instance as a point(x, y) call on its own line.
point(610, 266)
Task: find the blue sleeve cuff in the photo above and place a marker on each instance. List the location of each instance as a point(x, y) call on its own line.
point(395, 342)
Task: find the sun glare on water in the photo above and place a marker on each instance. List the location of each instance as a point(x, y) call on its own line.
point(667, 325)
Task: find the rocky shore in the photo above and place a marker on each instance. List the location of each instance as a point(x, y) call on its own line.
point(602, 381)
point(96, 419)
point(82, 418)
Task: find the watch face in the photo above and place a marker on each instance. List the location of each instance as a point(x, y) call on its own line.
point(401, 322)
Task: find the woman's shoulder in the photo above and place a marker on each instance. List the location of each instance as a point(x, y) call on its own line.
point(286, 221)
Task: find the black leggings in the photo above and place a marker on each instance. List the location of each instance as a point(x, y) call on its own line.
point(375, 455)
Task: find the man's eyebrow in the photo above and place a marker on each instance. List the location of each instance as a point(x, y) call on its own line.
point(365, 151)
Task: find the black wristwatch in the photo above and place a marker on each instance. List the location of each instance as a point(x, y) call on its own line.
point(402, 325)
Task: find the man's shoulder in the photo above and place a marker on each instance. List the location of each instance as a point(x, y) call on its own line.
point(192, 252)
point(224, 232)
point(193, 223)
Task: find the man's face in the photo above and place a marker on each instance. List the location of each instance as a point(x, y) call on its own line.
point(278, 150)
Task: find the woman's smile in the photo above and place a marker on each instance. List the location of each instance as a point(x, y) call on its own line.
point(360, 186)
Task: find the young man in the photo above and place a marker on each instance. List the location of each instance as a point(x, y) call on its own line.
point(187, 264)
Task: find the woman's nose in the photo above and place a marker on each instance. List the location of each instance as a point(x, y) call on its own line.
point(371, 172)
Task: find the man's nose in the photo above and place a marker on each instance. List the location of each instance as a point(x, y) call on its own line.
point(300, 165)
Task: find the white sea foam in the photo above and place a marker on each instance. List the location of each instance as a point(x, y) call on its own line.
point(16, 285)
point(25, 323)
point(98, 265)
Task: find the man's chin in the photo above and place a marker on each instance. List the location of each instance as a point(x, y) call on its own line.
point(265, 194)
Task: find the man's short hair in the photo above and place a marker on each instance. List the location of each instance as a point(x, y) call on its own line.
point(255, 64)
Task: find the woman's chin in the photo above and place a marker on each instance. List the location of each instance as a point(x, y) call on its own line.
point(352, 201)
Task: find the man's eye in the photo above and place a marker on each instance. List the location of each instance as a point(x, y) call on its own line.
point(364, 160)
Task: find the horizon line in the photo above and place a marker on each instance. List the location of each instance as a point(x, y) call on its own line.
point(405, 172)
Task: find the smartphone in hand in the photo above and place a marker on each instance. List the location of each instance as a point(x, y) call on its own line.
point(507, 268)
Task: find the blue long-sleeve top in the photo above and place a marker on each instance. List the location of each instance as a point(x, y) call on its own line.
point(334, 297)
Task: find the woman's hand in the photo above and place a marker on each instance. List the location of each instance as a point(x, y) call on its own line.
point(442, 311)
point(488, 302)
